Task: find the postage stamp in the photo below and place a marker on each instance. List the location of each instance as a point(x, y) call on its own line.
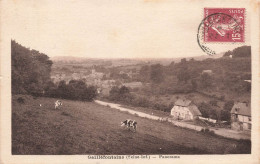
point(224, 25)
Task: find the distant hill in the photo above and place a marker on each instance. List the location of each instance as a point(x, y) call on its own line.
point(125, 61)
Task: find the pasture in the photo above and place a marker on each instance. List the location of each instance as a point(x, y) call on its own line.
point(88, 128)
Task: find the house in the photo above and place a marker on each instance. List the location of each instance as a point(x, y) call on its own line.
point(185, 109)
point(241, 116)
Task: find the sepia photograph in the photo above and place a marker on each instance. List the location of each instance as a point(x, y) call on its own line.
point(138, 80)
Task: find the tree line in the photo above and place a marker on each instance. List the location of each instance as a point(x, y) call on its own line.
point(31, 75)
point(187, 76)
point(30, 69)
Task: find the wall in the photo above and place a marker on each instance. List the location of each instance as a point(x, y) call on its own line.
point(181, 112)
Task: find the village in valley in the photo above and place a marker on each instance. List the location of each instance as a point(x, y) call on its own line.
point(137, 80)
point(131, 106)
point(199, 92)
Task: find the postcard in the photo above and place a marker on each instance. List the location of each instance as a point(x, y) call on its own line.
point(133, 81)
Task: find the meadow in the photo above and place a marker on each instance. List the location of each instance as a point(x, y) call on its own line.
point(88, 128)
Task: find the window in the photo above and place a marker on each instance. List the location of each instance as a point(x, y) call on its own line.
point(249, 118)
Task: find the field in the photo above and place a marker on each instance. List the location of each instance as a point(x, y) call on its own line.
point(88, 128)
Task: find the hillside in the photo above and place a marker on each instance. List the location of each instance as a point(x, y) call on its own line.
point(88, 128)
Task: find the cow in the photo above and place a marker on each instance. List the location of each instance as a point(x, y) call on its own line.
point(58, 103)
point(130, 123)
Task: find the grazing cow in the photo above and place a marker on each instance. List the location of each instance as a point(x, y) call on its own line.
point(58, 103)
point(129, 123)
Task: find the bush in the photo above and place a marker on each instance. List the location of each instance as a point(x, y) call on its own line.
point(211, 132)
point(141, 101)
point(121, 94)
point(225, 115)
point(206, 130)
point(75, 90)
point(228, 105)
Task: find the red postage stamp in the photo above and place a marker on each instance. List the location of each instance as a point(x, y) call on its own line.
point(224, 25)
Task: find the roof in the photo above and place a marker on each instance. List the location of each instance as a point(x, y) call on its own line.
point(194, 110)
point(191, 107)
point(181, 102)
point(241, 109)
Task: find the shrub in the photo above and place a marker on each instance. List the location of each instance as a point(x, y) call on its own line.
point(211, 132)
point(75, 90)
point(228, 105)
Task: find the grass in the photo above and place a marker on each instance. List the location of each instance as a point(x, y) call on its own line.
point(148, 111)
point(88, 128)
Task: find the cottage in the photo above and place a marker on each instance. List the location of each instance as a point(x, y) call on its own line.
point(241, 116)
point(185, 109)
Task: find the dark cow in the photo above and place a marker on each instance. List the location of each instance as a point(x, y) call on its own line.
point(130, 123)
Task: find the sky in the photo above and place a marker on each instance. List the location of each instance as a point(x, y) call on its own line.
point(109, 29)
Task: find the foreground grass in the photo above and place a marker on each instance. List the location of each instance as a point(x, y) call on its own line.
point(88, 128)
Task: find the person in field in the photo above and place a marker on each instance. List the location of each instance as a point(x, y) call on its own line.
point(130, 124)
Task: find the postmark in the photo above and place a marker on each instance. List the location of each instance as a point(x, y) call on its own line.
point(221, 25)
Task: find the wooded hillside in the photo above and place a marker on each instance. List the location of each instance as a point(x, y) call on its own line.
point(30, 69)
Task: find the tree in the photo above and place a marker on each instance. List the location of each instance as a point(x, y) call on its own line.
point(144, 74)
point(227, 54)
point(244, 51)
point(204, 109)
point(120, 94)
point(30, 70)
point(228, 105)
point(89, 93)
point(62, 90)
point(157, 75)
point(213, 102)
point(206, 80)
point(225, 115)
point(113, 93)
point(123, 90)
point(194, 84)
point(183, 73)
